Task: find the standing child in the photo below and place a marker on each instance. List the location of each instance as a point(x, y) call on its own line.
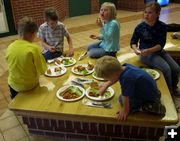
point(110, 34)
point(52, 33)
point(24, 59)
point(148, 41)
point(138, 89)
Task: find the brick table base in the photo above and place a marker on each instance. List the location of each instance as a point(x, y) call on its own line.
point(90, 131)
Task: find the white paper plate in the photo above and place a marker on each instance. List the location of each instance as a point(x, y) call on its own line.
point(62, 89)
point(155, 74)
point(53, 73)
point(70, 58)
point(100, 98)
point(97, 78)
point(84, 65)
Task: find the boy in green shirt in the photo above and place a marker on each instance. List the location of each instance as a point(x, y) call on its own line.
point(24, 59)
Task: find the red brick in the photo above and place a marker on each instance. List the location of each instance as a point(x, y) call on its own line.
point(118, 131)
point(54, 134)
point(77, 127)
point(25, 120)
point(120, 139)
point(93, 128)
point(69, 126)
point(126, 131)
point(36, 132)
point(102, 128)
point(152, 133)
point(32, 123)
point(98, 138)
point(85, 127)
point(76, 136)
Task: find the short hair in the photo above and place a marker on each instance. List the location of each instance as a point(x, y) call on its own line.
point(27, 25)
point(112, 9)
point(106, 66)
point(156, 6)
point(51, 14)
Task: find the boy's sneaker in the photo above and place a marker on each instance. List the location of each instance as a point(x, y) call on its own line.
point(156, 108)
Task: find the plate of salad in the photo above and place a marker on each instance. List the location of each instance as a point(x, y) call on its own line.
point(153, 73)
point(93, 93)
point(66, 61)
point(70, 93)
point(82, 69)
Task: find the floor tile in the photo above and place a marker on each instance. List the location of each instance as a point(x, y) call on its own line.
point(25, 139)
point(1, 137)
point(14, 134)
point(6, 114)
point(8, 123)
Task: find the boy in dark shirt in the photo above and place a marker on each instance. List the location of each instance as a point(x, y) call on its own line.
point(139, 89)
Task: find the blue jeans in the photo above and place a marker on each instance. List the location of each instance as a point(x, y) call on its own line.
point(51, 55)
point(164, 62)
point(95, 51)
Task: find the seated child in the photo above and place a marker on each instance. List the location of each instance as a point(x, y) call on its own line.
point(52, 33)
point(24, 58)
point(110, 34)
point(138, 89)
point(148, 41)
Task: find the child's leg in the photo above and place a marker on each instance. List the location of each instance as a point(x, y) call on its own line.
point(94, 45)
point(49, 55)
point(155, 108)
point(174, 68)
point(111, 54)
point(13, 92)
point(157, 61)
point(94, 51)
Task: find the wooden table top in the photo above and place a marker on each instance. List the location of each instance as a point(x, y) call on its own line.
point(42, 102)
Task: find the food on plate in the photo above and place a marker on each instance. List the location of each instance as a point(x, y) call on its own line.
point(57, 69)
point(67, 61)
point(90, 66)
point(94, 90)
point(57, 61)
point(81, 69)
point(49, 71)
point(71, 93)
point(151, 72)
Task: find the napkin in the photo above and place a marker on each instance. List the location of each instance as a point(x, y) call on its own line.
point(44, 82)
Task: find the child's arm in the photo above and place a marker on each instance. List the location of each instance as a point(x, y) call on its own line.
point(71, 49)
point(145, 52)
point(48, 47)
point(136, 49)
point(123, 113)
point(105, 86)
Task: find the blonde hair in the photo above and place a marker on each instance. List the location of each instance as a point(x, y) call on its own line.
point(111, 8)
point(156, 6)
point(106, 66)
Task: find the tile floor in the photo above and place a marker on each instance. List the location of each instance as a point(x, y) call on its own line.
point(11, 127)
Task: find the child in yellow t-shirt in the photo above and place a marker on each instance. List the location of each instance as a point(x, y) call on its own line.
point(24, 58)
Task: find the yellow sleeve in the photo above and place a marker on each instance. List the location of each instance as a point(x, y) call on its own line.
point(39, 61)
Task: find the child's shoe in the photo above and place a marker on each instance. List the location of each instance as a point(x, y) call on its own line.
point(156, 108)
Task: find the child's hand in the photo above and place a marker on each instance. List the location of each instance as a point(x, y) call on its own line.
point(99, 22)
point(122, 114)
point(137, 51)
point(52, 49)
point(145, 52)
point(93, 37)
point(71, 52)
